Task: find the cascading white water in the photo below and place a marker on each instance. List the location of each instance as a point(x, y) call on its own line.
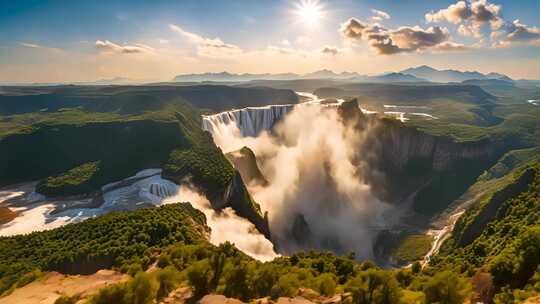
point(311, 164)
point(250, 121)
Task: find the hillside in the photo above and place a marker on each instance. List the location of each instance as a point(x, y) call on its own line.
point(185, 258)
point(498, 238)
point(173, 237)
point(77, 151)
point(125, 241)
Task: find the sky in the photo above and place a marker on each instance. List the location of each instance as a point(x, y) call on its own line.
point(68, 41)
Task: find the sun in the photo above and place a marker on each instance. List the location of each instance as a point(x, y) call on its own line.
point(309, 12)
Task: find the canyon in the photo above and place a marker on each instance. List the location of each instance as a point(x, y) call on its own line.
point(399, 178)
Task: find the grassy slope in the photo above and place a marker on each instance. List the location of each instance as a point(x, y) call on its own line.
point(412, 248)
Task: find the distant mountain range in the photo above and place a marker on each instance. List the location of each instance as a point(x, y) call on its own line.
point(422, 73)
point(435, 75)
point(419, 74)
point(226, 76)
point(322, 74)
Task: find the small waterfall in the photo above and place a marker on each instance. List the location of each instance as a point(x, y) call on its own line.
point(250, 121)
point(162, 190)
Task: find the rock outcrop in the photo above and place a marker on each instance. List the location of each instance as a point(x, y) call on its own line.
point(238, 198)
point(245, 162)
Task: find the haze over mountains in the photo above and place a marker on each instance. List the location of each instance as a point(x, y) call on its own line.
point(417, 74)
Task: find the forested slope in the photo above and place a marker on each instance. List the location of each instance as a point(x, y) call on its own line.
point(499, 239)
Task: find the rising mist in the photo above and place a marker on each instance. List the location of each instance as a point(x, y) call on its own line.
point(316, 196)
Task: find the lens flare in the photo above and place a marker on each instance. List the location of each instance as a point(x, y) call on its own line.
point(309, 12)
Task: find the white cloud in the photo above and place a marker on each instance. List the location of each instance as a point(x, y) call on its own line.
point(109, 46)
point(330, 50)
point(41, 47)
point(480, 11)
point(516, 33)
point(379, 15)
point(471, 30)
point(449, 46)
point(402, 40)
point(470, 15)
point(207, 46)
point(31, 45)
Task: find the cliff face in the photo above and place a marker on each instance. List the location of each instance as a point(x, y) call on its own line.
point(238, 198)
point(401, 145)
point(409, 166)
point(124, 147)
point(428, 170)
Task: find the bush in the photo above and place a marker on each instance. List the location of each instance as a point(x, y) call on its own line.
point(326, 284)
point(199, 278)
point(168, 279)
point(374, 286)
point(68, 299)
point(287, 286)
point(236, 282)
point(416, 267)
point(142, 289)
point(446, 288)
point(111, 294)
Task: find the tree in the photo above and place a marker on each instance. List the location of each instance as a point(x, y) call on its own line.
point(416, 267)
point(142, 289)
point(374, 286)
point(237, 285)
point(446, 288)
point(167, 278)
point(286, 286)
point(264, 279)
point(326, 284)
point(199, 278)
point(217, 262)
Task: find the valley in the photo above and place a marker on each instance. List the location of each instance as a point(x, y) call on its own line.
point(270, 152)
point(280, 174)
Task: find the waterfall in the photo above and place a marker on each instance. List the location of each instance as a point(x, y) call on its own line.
point(162, 190)
point(250, 121)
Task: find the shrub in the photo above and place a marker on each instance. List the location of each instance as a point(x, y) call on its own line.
point(168, 279)
point(446, 288)
point(326, 284)
point(142, 289)
point(111, 294)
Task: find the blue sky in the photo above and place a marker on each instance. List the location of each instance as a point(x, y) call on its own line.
point(155, 40)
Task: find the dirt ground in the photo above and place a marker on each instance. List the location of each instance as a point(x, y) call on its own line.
point(49, 288)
